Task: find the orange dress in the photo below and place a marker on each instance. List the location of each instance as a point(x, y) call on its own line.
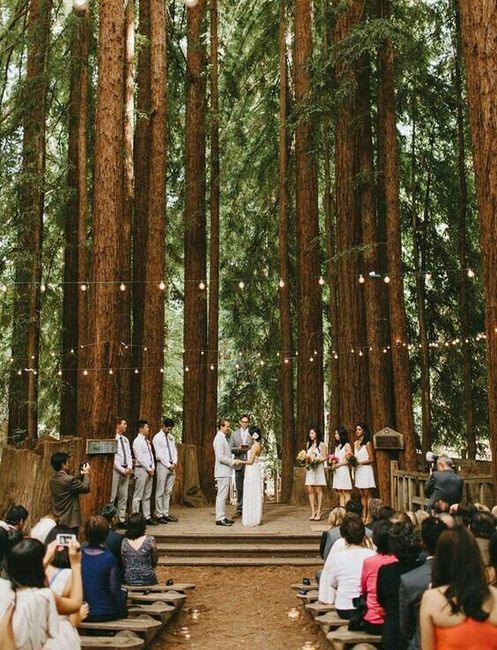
point(467, 635)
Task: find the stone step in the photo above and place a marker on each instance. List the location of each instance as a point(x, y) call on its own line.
point(240, 561)
point(252, 549)
point(229, 537)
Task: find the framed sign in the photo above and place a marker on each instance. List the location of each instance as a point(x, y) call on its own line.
point(101, 446)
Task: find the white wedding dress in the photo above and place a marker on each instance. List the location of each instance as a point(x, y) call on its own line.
point(252, 495)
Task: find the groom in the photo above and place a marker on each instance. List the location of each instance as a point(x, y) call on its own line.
point(240, 444)
point(222, 471)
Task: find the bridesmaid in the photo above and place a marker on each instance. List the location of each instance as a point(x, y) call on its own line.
point(315, 478)
point(341, 476)
point(364, 475)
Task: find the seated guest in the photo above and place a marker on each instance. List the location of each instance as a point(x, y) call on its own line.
point(41, 530)
point(482, 526)
point(385, 513)
point(101, 575)
point(404, 544)
point(375, 505)
point(460, 611)
point(15, 519)
point(491, 570)
point(414, 583)
point(114, 540)
point(329, 537)
point(374, 617)
point(340, 581)
point(139, 553)
point(463, 513)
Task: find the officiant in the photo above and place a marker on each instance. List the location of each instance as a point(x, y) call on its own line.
point(240, 444)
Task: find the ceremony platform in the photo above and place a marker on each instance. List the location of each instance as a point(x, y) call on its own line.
point(286, 537)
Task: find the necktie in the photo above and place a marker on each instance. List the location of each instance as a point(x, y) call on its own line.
point(123, 448)
point(169, 450)
point(150, 454)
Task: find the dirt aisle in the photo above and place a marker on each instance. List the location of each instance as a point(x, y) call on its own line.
point(240, 608)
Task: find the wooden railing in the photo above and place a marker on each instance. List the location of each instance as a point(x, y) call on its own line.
point(407, 489)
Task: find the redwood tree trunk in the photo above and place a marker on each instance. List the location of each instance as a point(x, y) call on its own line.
point(23, 387)
point(285, 359)
point(195, 310)
point(398, 329)
point(479, 38)
point(310, 407)
point(210, 418)
point(75, 223)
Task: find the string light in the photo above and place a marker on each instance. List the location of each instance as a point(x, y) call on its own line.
point(122, 286)
point(361, 279)
point(162, 285)
point(241, 284)
point(83, 287)
point(470, 273)
point(321, 281)
point(201, 286)
point(386, 279)
point(281, 283)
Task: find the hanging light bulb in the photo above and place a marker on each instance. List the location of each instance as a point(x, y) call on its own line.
point(84, 287)
point(281, 283)
point(122, 286)
point(241, 284)
point(162, 285)
point(211, 367)
point(201, 286)
point(43, 287)
point(361, 279)
point(386, 279)
point(428, 277)
point(60, 373)
point(111, 372)
point(471, 273)
point(321, 281)
point(85, 372)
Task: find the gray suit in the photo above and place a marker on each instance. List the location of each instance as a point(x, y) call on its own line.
point(65, 490)
point(446, 485)
point(413, 584)
point(222, 472)
point(236, 442)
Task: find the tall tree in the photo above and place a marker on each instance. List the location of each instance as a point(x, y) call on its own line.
point(195, 310)
point(398, 329)
point(75, 225)
point(149, 218)
point(213, 307)
point(286, 366)
point(23, 385)
point(479, 39)
point(310, 407)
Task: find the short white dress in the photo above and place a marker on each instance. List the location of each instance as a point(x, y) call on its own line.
point(316, 476)
point(341, 476)
point(68, 636)
point(363, 474)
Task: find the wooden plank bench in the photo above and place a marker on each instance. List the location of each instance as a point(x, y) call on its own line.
point(317, 608)
point(160, 611)
point(330, 620)
point(170, 598)
point(127, 640)
point(343, 636)
point(145, 626)
point(310, 596)
point(300, 585)
point(179, 586)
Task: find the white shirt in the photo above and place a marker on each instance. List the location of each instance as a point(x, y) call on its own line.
point(122, 458)
point(340, 581)
point(142, 450)
point(245, 436)
point(165, 448)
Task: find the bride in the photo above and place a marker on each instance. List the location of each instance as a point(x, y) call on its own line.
point(252, 484)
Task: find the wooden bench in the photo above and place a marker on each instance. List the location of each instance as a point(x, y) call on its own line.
point(170, 597)
point(343, 636)
point(317, 608)
point(145, 626)
point(310, 596)
point(127, 640)
point(329, 620)
point(180, 586)
point(300, 585)
point(160, 611)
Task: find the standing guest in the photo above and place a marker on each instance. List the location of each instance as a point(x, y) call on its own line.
point(341, 475)
point(15, 519)
point(123, 469)
point(340, 581)
point(167, 461)
point(41, 530)
point(375, 615)
point(414, 583)
point(114, 540)
point(404, 544)
point(363, 473)
point(315, 478)
point(66, 489)
point(240, 444)
point(444, 484)
point(460, 611)
point(101, 575)
point(144, 472)
point(139, 553)
point(222, 470)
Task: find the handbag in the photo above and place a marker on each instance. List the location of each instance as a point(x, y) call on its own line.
point(356, 621)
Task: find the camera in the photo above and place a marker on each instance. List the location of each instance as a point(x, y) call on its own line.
point(83, 465)
point(431, 461)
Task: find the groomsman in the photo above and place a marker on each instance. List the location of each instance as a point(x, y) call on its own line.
point(222, 471)
point(144, 472)
point(167, 460)
point(240, 443)
point(123, 468)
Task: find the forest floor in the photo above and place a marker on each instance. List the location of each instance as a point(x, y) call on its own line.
point(239, 608)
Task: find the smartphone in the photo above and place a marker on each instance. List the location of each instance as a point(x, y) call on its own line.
point(64, 539)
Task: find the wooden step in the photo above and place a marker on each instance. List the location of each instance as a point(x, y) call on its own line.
point(330, 620)
point(160, 611)
point(236, 562)
point(145, 626)
point(300, 586)
point(351, 638)
point(317, 608)
point(309, 596)
point(173, 598)
point(182, 587)
point(128, 641)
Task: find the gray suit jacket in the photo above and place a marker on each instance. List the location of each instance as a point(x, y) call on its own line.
point(222, 452)
point(446, 485)
point(236, 442)
point(65, 497)
point(413, 584)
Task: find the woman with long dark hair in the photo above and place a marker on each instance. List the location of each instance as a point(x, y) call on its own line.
point(363, 473)
point(460, 611)
point(341, 474)
point(315, 477)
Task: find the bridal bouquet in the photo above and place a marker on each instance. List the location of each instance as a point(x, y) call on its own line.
point(332, 461)
point(312, 463)
point(301, 457)
point(352, 460)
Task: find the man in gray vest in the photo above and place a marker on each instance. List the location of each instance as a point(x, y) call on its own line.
point(240, 444)
point(222, 471)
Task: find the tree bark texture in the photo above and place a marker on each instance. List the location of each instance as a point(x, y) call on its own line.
point(210, 419)
point(398, 329)
point(310, 400)
point(75, 226)
point(23, 387)
point(195, 309)
point(285, 358)
point(479, 39)
point(149, 219)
